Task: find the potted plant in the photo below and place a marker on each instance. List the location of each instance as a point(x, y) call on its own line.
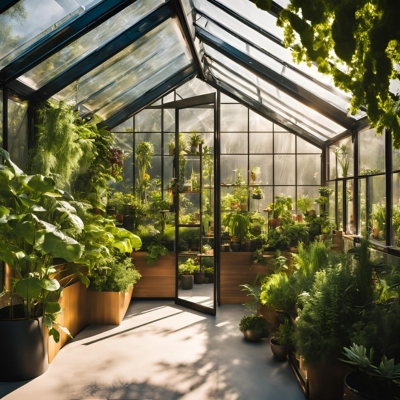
point(258, 194)
point(186, 270)
point(304, 204)
point(254, 172)
point(36, 221)
point(281, 341)
point(195, 140)
point(254, 327)
point(279, 210)
point(343, 155)
point(171, 147)
point(238, 225)
point(372, 379)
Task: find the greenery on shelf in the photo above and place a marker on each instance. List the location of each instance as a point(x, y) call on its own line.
point(195, 138)
point(254, 323)
point(238, 224)
point(281, 207)
point(188, 267)
point(258, 193)
point(115, 273)
point(304, 204)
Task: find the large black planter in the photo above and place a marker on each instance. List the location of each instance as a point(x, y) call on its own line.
point(187, 282)
point(23, 351)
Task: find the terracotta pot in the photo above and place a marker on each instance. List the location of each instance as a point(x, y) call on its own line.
point(253, 176)
point(273, 222)
point(280, 352)
point(171, 151)
point(120, 217)
point(299, 218)
point(243, 207)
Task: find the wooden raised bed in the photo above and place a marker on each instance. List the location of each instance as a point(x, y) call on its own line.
point(158, 280)
point(107, 308)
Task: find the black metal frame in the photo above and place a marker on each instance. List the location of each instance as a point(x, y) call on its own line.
point(6, 4)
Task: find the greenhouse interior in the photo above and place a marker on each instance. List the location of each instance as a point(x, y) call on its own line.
point(190, 208)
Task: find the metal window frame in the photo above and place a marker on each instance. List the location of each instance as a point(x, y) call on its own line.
point(7, 4)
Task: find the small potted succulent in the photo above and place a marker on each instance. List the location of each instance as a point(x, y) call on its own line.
point(195, 140)
point(258, 194)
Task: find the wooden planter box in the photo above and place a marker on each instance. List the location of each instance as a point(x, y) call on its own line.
point(74, 316)
point(107, 308)
point(158, 280)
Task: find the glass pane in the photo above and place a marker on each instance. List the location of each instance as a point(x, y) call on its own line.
point(261, 204)
point(284, 142)
point(198, 119)
point(18, 132)
point(308, 169)
point(169, 138)
point(227, 99)
point(124, 141)
point(372, 152)
point(168, 170)
point(350, 228)
point(126, 126)
point(259, 123)
point(376, 197)
point(234, 118)
point(264, 162)
point(169, 97)
point(130, 73)
point(28, 21)
point(340, 205)
point(148, 121)
point(231, 166)
point(194, 87)
point(332, 203)
point(284, 170)
point(153, 138)
point(396, 159)
point(396, 210)
point(332, 163)
point(233, 143)
point(85, 45)
point(169, 120)
point(306, 147)
point(261, 142)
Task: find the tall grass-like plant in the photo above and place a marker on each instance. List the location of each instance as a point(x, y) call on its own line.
point(144, 156)
point(61, 145)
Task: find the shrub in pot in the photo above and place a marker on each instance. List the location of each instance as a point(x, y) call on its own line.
point(281, 341)
point(36, 224)
point(254, 327)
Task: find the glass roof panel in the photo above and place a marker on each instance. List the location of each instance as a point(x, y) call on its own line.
point(125, 77)
point(82, 47)
point(273, 56)
point(25, 23)
point(232, 73)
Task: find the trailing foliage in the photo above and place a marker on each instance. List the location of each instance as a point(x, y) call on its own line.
point(357, 43)
point(153, 252)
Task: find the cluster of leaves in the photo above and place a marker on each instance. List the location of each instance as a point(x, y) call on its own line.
point(284, 333)
point(254, 323)
point(357, 43)
point(153, 252)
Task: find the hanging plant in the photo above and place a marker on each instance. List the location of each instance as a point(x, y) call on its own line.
point(144, 156)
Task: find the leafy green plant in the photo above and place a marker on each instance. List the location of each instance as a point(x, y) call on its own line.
point(115, 273)
point(304, 203)
point(195, 138)
point(281, 207)
point(284, 333)
point(258, 193)
point(378, 218)
point(238, 224)
point(254, 323)
point(153, 252)
point(188, 267)
point(343, 155)
point(144, 157)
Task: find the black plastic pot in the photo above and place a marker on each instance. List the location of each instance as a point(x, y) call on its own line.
point(187, 282)
point(210, 277)
point(225, 248)
point(198, 277)
point(23, 351)
point(235, 246)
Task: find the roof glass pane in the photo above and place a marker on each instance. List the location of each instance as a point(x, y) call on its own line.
point(30, 20)
point(132, 72)
point(82, 47)
point(232, 73)
point(194, 87)
point(328, 94)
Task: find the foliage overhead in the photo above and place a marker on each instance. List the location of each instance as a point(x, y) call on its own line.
point(357, 43)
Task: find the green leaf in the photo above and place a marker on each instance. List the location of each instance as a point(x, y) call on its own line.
point(65, 330)
point(4, 211)
point(40, 183)
point(48, 321)
point(49, 284)
point(14, 167)
point(56, 335)
point(28, 288)
point(53, 307)
point(25, 230)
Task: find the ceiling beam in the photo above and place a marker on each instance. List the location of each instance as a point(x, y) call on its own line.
point(105, 52)
point(282, 83)
point(151, 96)
point(61, 37)
point(264, 111)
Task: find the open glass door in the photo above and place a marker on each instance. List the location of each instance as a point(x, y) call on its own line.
point(194, 200)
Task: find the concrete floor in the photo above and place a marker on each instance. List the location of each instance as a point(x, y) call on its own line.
point(162, 351)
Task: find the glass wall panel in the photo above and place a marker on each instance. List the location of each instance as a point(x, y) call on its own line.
point(126, 126)
point(362, 204)
point(350, 204)
point(308, 169)
point(284, 170)
point(396, 159)
point(198, 119)
point(340, 205)
point(396, 210)
point(261, 142)
point(194, 87)
point(332, 203)
point(259, 123)
point(372, 152)
point(18, 132)
point(265, 163)
point(306, 147)
point(284, 142)
point(169, 120)
point(86, 44)
point(227, 99)
point(148, 120)
point(231, 166)
point(28, 21)
point(234, 118)
point(153, 138)
point(376, 204)
point(260, 205)
point(233, 143)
